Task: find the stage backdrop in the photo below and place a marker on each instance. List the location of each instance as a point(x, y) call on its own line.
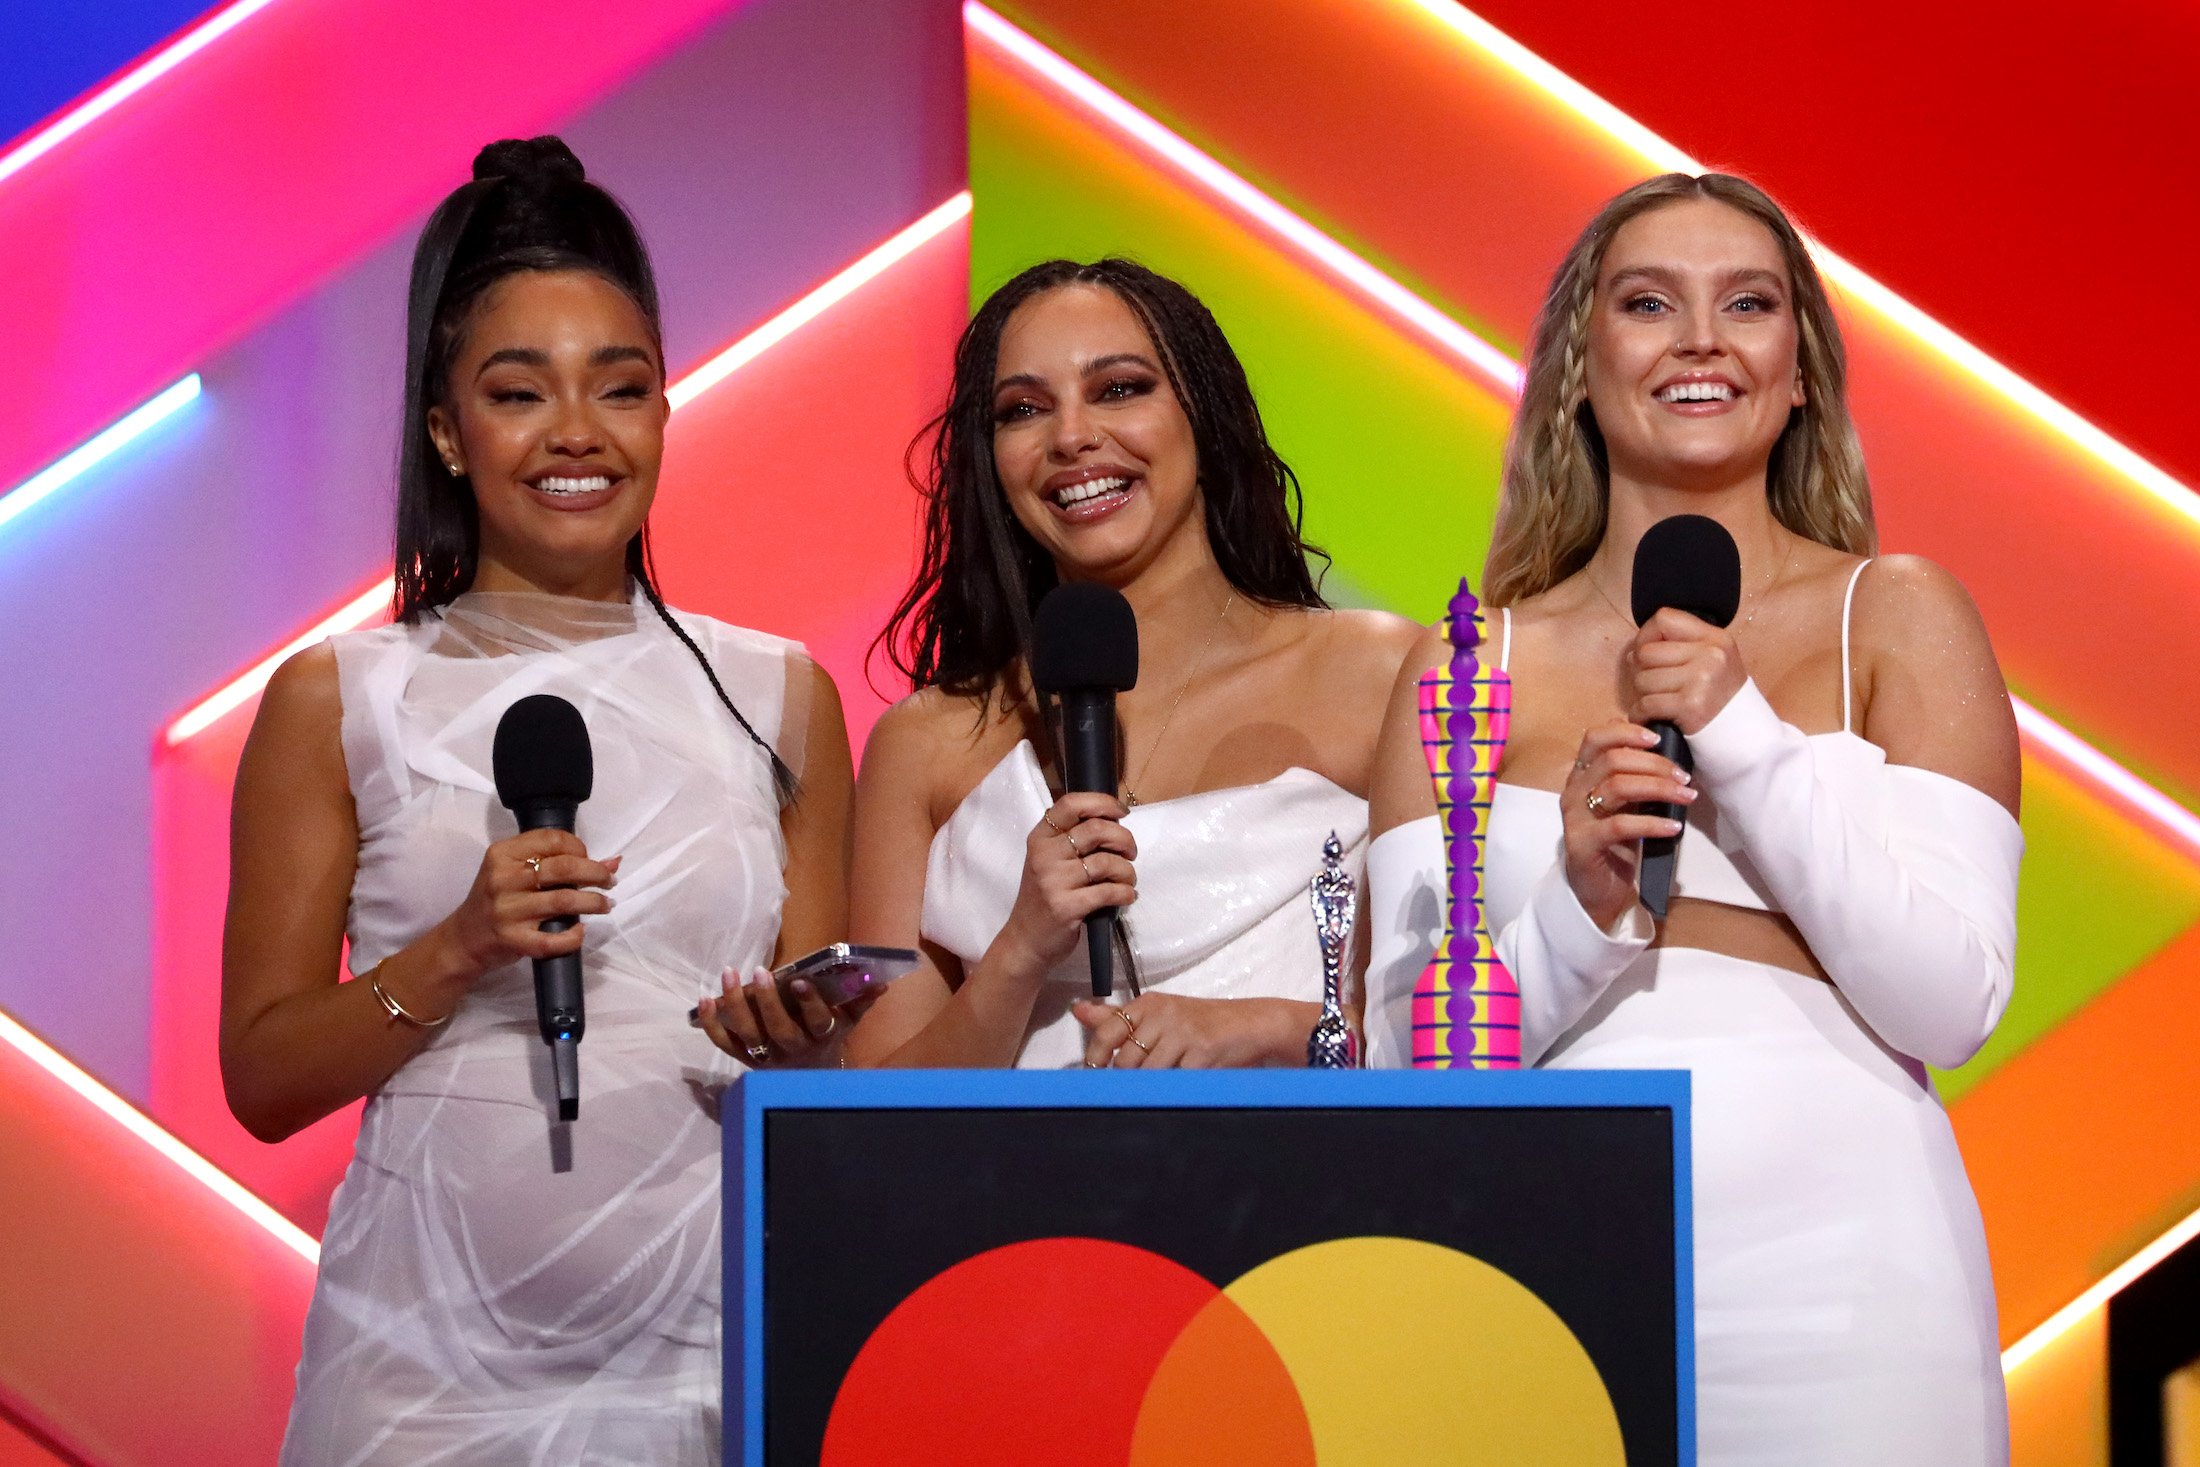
point(204, 221)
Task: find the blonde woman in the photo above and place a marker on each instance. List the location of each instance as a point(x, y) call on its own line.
point(1844, 902)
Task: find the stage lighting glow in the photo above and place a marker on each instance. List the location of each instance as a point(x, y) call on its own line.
point(354, 614)
point(2059, 1323)
point(1488, 362)
point(361, 609)
point(2142, 800)
point(128, 85)
point(133, 1120)
point(2118, 785)
point(817, 302)
point(2127, 466)
point(100, 447)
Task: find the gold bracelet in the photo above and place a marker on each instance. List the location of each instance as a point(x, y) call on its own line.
point(396, 1009)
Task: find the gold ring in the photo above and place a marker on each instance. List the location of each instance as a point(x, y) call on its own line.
point(534, 864)
point(1129, 1023)
point(1597, 803)
point(1142, 1044)
point(1048, 817)
point(1073, 850)
point(1089, 877)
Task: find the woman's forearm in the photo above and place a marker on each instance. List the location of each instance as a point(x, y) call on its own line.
point(984, 1021)
point(313, 1053)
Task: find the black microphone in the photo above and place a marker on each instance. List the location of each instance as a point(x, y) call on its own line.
point(1687, 562)
point(544, 769)
point(1084, 650)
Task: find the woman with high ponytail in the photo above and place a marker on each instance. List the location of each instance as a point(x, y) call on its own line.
point(496, 1286)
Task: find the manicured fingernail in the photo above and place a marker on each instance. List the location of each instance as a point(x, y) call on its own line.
point(802, 986)
point(1670, 827)
point(1688, 795)
point(1684, 776)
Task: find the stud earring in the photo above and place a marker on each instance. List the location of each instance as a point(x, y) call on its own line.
point(456, 471)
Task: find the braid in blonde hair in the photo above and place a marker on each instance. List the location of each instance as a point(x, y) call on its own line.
point(1551, 510)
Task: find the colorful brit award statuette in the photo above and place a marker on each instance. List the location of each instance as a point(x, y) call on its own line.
point(1333, 1045)
point(1466, 1007)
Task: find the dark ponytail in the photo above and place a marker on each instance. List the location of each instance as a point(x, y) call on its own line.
point(529, 207)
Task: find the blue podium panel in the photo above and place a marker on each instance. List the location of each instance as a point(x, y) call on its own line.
point(1257, 1268)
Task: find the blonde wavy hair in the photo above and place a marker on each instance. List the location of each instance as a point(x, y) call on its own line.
point(1552, 504)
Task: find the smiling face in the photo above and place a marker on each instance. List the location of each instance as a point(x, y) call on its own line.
point(1692, 347)
point(1090, 444)
point(556, 413)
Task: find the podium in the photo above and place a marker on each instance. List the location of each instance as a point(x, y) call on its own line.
point(1271, 1268)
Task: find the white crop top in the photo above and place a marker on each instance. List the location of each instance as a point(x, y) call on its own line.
point(1710, 865)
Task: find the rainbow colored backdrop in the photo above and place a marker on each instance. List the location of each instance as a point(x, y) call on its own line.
point(1370, 193)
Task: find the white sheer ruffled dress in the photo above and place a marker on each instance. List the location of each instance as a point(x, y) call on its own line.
point(495, 1288)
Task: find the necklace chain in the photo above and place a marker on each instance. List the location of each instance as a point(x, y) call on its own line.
point(1754, 601)
point(1130, 786)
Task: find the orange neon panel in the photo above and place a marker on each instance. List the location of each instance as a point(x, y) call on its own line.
point(148, 1322)
point(2085, 1146)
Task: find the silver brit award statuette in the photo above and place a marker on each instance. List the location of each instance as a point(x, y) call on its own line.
point(1333, 1045)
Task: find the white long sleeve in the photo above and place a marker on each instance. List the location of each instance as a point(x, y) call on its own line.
point(1915, 924)
point(1562, 960)
point(1556, 954)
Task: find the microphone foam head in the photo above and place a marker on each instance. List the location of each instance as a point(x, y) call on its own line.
point(1688, 562)
point(1084, 636)
point(541, 755)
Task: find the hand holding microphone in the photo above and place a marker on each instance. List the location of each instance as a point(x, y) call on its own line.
point(544, 769)
point(1084, 651)
point(1687, 587)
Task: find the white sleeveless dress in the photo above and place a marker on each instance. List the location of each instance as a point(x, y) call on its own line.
point(1844, 1304)
point(494, 1287)
point(1222, 906)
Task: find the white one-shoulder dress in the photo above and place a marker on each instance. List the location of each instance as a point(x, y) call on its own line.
point(494, 1287)
point(1844, 1305)
point(1222, 906)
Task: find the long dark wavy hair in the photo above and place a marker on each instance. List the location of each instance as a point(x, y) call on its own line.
point(965, 623)
point(529, 207)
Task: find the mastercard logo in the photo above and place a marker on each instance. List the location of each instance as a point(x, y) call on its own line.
point(1357, 1352)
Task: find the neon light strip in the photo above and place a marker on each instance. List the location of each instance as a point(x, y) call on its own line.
point(2080, 758)
point(360, 609)
point(2060, 1322)
point(1487, 361)
point(1658, 153)
point(355, 613)
point(818, 302)
point(2117, 784)
point(100, 447)
point(128, 85)
point(133, 1120)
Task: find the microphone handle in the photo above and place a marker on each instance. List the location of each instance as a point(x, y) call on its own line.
point(1658, 852)
point(1088, 759)
point(560, 1011)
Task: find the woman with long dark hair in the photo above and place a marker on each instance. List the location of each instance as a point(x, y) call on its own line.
point(1843, 909)
point(495, 1287)
point(1101, 429)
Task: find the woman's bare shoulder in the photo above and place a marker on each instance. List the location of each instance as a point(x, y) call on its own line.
point(938, 745)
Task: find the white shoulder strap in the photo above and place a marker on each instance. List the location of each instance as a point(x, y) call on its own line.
point(1848, 680)
point(1505, 644)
